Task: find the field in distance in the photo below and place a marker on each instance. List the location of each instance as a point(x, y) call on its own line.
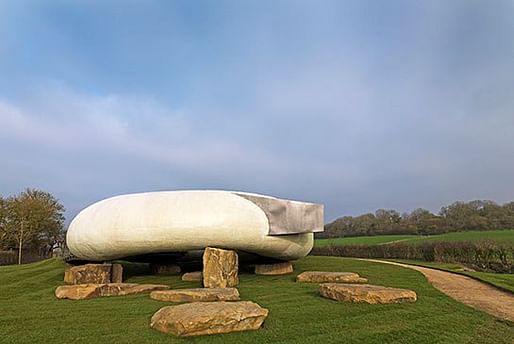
point(505, 236)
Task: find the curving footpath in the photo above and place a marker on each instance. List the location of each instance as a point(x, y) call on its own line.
point(471, 292)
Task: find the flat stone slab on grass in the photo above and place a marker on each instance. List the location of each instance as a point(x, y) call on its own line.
point(88, 273)
point(203, 318)
point(88, 291)
point(196, 294)
point(195, 276)
point(367, 293)
point(330, 277)
point(274, 269)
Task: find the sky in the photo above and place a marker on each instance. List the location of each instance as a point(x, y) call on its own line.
point(358, 105)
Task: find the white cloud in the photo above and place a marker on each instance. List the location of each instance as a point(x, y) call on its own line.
point(71, 122)
point(117, 139)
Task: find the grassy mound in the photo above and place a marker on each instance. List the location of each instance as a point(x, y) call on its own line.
point(29, 312)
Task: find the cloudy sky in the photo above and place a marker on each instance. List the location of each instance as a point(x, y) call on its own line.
point(355, 104)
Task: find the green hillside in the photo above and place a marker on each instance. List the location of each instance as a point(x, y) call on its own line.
point(29, 312)
point(364, 240)
point(499, 236)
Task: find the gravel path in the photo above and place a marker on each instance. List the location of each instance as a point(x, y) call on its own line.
point(466, 290)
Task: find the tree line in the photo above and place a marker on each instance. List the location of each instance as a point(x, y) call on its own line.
point(481, 215)
point(33, 221)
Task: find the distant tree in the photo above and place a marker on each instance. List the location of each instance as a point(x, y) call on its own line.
point(508, 215)
point(461, 216)
point(365, 224)
point(339, 228)
point(494, 214)
point(344, 226)
point(34, 220)
point(425, 222)
point(388, 221)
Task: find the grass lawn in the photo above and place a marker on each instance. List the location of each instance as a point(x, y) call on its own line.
point(29, 312)
point(503, 281)
point(506, 236)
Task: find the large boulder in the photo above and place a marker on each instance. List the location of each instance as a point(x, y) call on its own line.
point(274, 269)
point(220, 268)
point(88, 273)
point(88, 291)
point(202, 318)
point(196, 294)
point(330, 277)
point(195, 276)
point(367, 293)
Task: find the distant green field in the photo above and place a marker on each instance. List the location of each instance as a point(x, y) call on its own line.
point(364, 240)
point(30, 313)
point(506, 236)
point(499, 236)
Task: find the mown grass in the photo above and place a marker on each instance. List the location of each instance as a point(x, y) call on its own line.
point(503, 281)
point(506, 236)
point(29, 312)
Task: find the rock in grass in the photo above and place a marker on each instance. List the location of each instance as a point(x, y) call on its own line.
point(77, 291)
point(195, 276)
point(196, 294)
point(367, 293)
point(88, 273)
point(120, 289)
point(274, 269)
point(203, 318)
point(330, 277)
point(220, 268)
point(88, 291)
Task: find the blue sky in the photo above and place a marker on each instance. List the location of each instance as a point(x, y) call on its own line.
point(355, 104)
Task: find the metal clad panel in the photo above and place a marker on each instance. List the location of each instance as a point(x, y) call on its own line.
point(289, 217)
